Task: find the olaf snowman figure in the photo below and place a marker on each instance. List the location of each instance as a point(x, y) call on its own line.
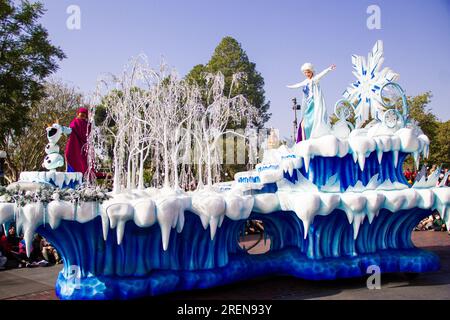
point(54, 160)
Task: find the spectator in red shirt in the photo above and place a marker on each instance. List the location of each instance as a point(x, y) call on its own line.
point(4, 245)
point(408, 174)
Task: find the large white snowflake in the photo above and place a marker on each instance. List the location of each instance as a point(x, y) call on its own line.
point(364, 94)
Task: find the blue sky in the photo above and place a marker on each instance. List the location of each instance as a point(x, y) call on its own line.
point(279, 36)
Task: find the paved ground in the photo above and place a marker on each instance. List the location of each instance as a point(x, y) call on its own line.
point(38, 283)
point(29, 284)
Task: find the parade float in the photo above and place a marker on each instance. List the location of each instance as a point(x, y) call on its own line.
point(332, 204)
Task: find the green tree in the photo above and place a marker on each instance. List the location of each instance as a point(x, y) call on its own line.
point(196, 75)
point(442, 154)
point(422, 113)
point(229, 58)
point(27, 57)
point(427, 120)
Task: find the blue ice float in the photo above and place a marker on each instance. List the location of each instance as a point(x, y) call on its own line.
point(331, 205)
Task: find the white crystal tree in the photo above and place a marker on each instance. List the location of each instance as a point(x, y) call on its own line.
point(156, 115)
point(219, 112)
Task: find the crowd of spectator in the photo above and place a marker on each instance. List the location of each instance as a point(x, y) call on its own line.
point(254, 227)
point(411, 175)
point(433, 222)
point(13, 253)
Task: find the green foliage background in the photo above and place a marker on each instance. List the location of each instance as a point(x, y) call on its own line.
point(27, 57)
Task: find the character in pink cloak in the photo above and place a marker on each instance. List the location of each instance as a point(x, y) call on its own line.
point(76, 148)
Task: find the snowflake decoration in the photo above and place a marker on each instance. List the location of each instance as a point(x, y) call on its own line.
point(365, 92)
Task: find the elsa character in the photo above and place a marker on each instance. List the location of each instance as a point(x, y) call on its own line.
point(314, 117)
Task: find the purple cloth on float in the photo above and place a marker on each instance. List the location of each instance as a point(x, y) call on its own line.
point(76, 154)
point(300, 133)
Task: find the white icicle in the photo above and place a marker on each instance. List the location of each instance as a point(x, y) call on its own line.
point(329, 202)
point(442, 203)
point(180, 221)
point(416, 157)
point(87, 211)
point(205, 220)
point(361, 161)
point(307, 160)
point(32, 215)
point(291, 168)
point(120, 230)
point(374, 202)
point(144, 213)
point(425, 142)
point(298, 164)
point(266, 203)
point(426, 198)
point(370, 216)
point(167, 213)
point(352, 203)
point(213, 224)
point(210, 206)
point(412, 199)
point(6, 212)
point(305, 205)
point(395, 200)
point(57, 211)
point(362, 146)
point(355, 156)
point(221, 220)
point(60, 180)
point(119, 214)
point(408, 139)
point(105, 224)
point(395, 158)
point(238, 207)
point(357, 221)
point(379, 155)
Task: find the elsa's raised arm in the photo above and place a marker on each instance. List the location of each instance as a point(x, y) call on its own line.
point(324, 72)
point(298, 85)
